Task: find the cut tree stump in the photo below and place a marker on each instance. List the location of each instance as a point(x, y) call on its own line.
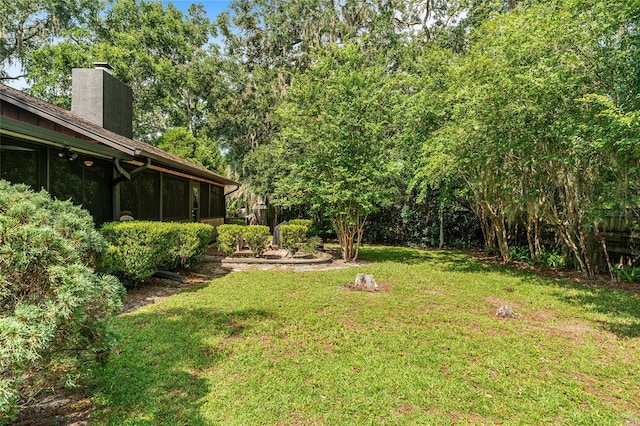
point(365, 282)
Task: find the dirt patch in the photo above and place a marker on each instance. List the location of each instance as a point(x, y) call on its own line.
point(56, 410)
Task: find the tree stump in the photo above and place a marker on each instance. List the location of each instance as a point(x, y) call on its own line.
point(505, 311)
point(365, 282)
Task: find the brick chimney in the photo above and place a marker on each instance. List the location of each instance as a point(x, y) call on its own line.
point(101, 98)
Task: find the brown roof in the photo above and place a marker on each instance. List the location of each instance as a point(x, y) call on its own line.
point(132, 147)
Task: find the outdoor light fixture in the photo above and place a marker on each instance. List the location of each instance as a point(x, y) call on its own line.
point(88, 163)
point(66, 153)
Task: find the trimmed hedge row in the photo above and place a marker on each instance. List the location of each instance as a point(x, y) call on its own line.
point(232, 238)
point(140, 249)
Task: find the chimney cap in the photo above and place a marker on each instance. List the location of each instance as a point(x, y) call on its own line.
point(103, 66)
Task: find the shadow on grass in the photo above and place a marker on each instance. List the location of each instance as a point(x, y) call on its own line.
point(622, 307)
point(394, 254)
point(155, 375)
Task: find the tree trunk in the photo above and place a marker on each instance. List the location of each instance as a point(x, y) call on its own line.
point(603, 243)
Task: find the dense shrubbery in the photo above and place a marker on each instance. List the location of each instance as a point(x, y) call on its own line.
point(232, 238)
point(256, 237)
point(301, 222)
point(293, 237)
point(55, 310)
point(139, 249)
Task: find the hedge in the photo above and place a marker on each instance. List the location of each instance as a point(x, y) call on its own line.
point(293, 237)
point(140, 249)
point(232, 238)
point(55, 311)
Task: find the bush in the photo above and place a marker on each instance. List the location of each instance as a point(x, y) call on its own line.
point(55, 311)
point(519, 253)
point(301, 222)
point(293, 236)
point(256, 237)
point(628, 273)
point(230, 238)
point(139, 249)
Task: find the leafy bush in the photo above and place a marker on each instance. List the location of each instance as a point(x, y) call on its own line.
point(519, 254)
point(230, 238)
point(302, 222)
point(236, 221)
point(293, 236)
point(628, 273)
point(139, 249)
point(256, 237)
point(554, 259)
point(55, 311)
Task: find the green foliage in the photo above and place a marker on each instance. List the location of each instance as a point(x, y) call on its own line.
point(55, 311)
point(230, 238)
point(27, 25)
point(256, 237)
point(519, 253)
point(139, 249)
point(301, 222)
point(339, 126)
point(160, 51)
point(293, 236)
point(628, 273)
point(181, 142)
point(554, 259)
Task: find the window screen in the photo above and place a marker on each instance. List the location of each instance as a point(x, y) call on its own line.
point(176, 203)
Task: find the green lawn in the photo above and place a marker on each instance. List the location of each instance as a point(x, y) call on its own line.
point(280, 347)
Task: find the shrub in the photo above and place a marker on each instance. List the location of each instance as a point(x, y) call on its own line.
point(293, 236)
point(519, 253)
point(230, 238)
point(628, 273)
point(256, 237)
point(553, 259)
point(139, 249)
point(236, 221)
point(55, 311)
point(302, 222)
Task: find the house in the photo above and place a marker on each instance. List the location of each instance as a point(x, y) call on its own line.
point(88, 155)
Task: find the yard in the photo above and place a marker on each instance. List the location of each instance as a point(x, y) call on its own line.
point(285, 347)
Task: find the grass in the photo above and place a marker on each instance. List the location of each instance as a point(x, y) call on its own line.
point(291, 348)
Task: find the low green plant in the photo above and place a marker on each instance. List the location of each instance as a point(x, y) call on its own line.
point(293, 237)
point(311, 245)
point(553, 259)
point(628, 273)
point(519, 253)
point(230, 238)
point(256, 237)
point(236, 221)
point(55, 311)
point(139, 249)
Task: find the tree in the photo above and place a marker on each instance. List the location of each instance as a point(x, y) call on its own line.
point(25, 26)
point(161, 52)
point(202, 151)
point(339, 125)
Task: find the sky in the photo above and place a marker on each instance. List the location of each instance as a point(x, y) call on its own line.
point(212, 7)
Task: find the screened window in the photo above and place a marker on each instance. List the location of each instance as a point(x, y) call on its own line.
point(176, 203)
point(84, 181)
point(140, 197)
point(216, 202)
point(204, 200)
point(22, 163)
